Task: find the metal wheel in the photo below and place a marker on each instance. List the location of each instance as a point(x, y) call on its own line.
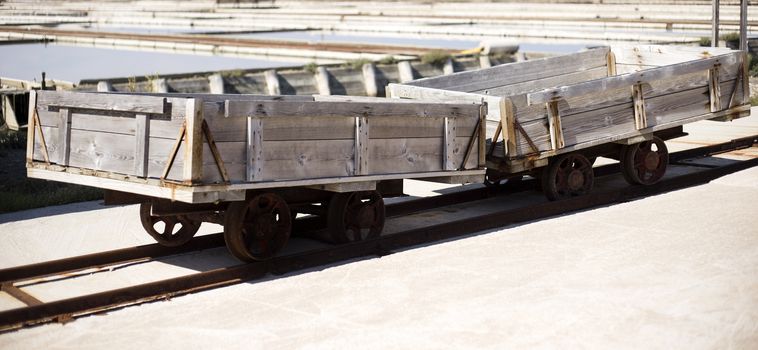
point(169, 231)
point(356, 216)
point(645, 163)
point(258, 229)
point(568, 175)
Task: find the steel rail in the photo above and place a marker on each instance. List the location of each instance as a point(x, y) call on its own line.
point(66, 309)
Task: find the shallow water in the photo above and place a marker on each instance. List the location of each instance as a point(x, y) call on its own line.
point(74, 63)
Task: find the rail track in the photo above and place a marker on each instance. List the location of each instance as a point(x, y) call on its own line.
point(37, 311)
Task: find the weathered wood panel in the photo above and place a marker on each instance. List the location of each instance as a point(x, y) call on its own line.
point(388, 156)
point(307, 159)
point(308, 128)
point(659, 55)
point(538, 84)
point(128, 103)
point(646, 76)
point(402, 127)
point(102, 151)
point(519, 72)
point(346, 109)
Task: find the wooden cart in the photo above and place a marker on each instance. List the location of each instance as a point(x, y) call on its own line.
point(252, 162)
point(555, 115)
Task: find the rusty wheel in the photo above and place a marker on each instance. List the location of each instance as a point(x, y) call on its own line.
point(645, 163)
point(169, 231)
point(356, 216)
point(257, 229)
point(568, 175)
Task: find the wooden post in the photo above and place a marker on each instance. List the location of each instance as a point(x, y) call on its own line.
point(193, 141)
point(611, 62)
point(715, 24)
point(507, 122)
point(322, 81)
point(484, 61)
point(272, 82)
point(369, 79)
point(31, 128)
point(64, 135)
point(714, 89)
point(159, 86)
point(254, 164)
point(448, 144)
point(216, 83)
point(448, 68)
point(554, 124)
point(141, 144)
point(405, 71)
point(104, 86)
point(361, 146)
point(743, 25)
point(640, 116)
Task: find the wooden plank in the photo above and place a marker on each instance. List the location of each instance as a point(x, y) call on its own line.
point(255, 159)
point(31, 128)
point(232, 153)
point(507, 125)
point(102, 151)
point(629, 79)
point(554, 124)
point(405, 155)
point(662, 55)
point(538, 84)
point(287, 160)
point(101, 123)
point(108, 102)
point(141, 144)
point(611, 63)
point(347, 187)
point(404, 127)
point(714, 89)
point(44, 151)
point(193, 142)
point(516, 72)
point(207, 193)
point(64, 135)
point(638, 98)
point(346, 109)
point(362, 155)
point(308, 128)
point(450, 150)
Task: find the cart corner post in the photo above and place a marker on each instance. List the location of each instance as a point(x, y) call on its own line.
point(193, 142)
point(31, 127)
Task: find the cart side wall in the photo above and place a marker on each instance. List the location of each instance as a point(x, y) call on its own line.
point(634, 58)
point(669, 96)
point(674, 85)
point(512, 78)
point(290, 138)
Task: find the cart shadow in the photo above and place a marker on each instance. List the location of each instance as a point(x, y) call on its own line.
point(37, 213)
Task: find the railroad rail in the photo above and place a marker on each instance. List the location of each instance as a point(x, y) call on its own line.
point(64, 310)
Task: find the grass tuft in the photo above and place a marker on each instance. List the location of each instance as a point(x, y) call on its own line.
point(435, 58)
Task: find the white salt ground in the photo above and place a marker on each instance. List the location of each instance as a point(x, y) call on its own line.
point(677, 270)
